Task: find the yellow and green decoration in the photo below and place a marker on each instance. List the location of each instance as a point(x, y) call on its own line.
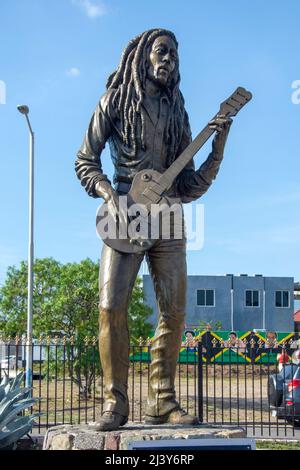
point(255, 347)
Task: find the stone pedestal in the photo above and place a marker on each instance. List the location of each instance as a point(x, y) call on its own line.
point(80, 437)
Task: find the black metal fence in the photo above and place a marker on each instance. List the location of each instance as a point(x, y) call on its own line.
point(67, 376)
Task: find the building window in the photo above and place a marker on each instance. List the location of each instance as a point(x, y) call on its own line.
point(206, 297)
point(282, 298)
point(252, 298)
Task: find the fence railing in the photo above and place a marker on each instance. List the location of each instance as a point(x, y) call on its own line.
point(67, 375)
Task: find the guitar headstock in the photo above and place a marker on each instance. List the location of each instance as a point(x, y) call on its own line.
point(235, 102)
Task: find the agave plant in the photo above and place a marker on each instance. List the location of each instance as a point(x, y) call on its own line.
point(14, 399)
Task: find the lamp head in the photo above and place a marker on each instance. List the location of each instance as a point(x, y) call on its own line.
point(23, 109)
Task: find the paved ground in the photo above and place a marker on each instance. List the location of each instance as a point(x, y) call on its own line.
point(274, 433)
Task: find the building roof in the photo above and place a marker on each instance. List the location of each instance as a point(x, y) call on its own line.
point(297, 316)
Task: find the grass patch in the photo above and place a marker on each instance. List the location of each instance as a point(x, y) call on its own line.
point(277, 445)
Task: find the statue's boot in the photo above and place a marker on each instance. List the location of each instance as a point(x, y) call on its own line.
point(176, 416)
point(109, 421)
point(162, 405)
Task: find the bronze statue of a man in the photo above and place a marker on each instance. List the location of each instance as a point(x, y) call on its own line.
point(142, 116)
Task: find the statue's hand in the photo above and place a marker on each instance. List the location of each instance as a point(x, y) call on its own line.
point(105, 190)
point(119, 213)
point(221, 124)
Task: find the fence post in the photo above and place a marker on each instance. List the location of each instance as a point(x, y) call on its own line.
point(200, 383)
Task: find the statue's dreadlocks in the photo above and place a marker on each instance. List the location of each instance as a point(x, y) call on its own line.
point(129, 81)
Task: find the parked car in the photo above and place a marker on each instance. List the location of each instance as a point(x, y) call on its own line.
point(284, 391)
point(10, 363)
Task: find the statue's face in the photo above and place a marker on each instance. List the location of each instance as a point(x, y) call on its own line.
point(163, 59)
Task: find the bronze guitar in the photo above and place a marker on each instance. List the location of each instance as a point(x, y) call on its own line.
point(149, 188)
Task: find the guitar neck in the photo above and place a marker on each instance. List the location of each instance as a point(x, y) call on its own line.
point(167, 178)
point(228, 108)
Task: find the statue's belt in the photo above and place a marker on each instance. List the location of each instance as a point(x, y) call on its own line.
point(123, 187)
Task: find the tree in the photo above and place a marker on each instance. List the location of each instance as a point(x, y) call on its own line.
point(13, 297)
point(65, 302)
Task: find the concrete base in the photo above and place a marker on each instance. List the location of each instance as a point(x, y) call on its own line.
point(80, 437)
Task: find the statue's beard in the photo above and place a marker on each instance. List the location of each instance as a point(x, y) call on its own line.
point(165, 85)
point(159, 83)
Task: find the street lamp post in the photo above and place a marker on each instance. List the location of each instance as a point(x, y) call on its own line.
point(23, 109)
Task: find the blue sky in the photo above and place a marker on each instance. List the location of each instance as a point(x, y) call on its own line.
point(55, 56)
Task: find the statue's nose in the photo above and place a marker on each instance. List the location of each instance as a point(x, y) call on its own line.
point(167, 58)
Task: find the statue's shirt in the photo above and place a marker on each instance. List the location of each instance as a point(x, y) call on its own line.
point(105, 126)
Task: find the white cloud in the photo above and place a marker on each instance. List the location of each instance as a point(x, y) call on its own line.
point(73, 72)
point(92, 9)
